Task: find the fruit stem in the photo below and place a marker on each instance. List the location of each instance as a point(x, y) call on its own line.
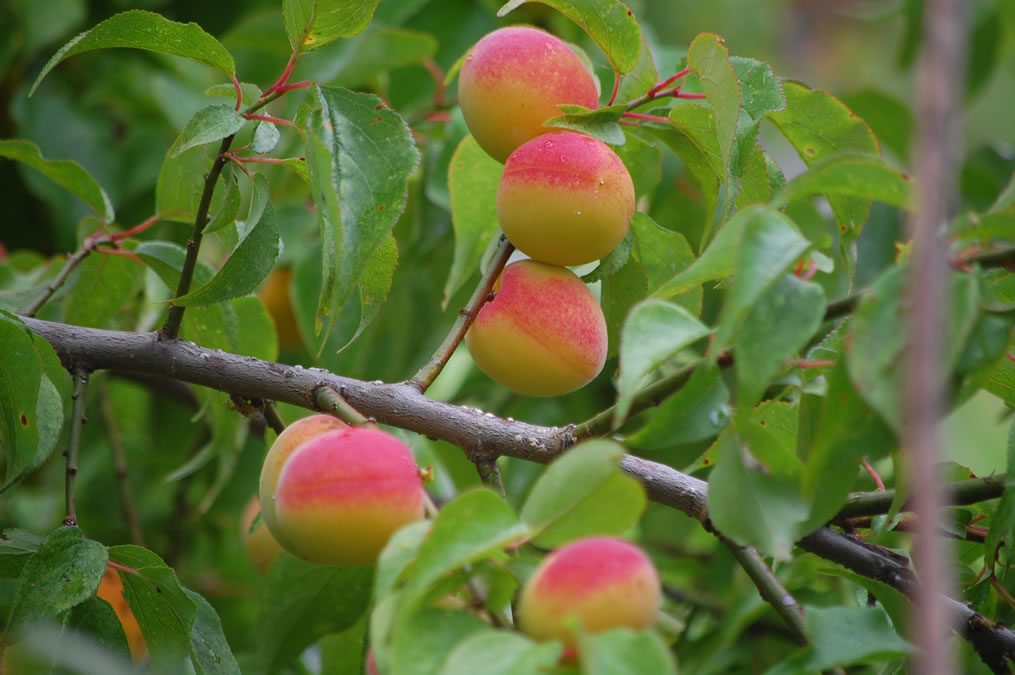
point(77, 421)
point(332, 402)
point(120, 467)
point(616, 87)
point(422, 380)
point(667, 82)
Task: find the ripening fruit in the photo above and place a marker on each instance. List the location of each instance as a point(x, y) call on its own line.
point(275, 296)
point(565, 199)
point(512, 81)
point(341, 495)
point(602, 583)
point(111, 590)
point(543, 334)
point(262, 549)
point(291, 438)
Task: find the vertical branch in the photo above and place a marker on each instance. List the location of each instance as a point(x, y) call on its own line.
point(939, 97)
point(489, 472)
point(120, 466)
point(77, 421)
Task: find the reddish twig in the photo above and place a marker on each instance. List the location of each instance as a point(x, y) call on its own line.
point(616, 87)
point(667, 82)
point(268, 118)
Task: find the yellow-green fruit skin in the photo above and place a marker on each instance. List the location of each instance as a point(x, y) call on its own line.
point(512, 81)
point(543, 334)
point(291, 438)
point(262, 549)
point(600, 582)
point(565, 199)
point(341, 495)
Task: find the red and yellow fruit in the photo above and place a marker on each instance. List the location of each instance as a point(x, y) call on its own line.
point(337, 497)
point(262, 549)
point(512, 81)
point(111, 590)
point(543, 334)
point(600, 583)
point(565, 199)
point(275, 296)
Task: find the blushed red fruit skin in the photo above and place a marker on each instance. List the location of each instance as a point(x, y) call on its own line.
point(512, 81)
point(602, 582)
point(342, 494)
point(543, 334)
point(565, 198)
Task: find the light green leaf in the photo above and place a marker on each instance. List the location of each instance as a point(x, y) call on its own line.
point(501, 653)
point(311, 24)
point(422, 643)
point(65, 173)
point(249, 92)
point(696, 412)
point(887, 116)
point(867, 177)
point(654, 332)
point(473, 177)
point(209, 124)
point(146, 30)
point(601, 123)
point(381, 50)
point(708, 58)
point(609, 23)
point(266, 138)
point(181, 183)
point(625, 652)
point(211, 652)
point(844, 636)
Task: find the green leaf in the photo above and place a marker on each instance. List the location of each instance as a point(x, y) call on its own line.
point(311, 24)
point(692, 139)
point(244, 270)
point(696, 412)
point(360, 155)
point(1002, 525)
point(708, 58)
point(654, 332)
point(613, 262)
point(420, 646)
point(620, 292)
point(864, 176)
point(146, 30)
point(844, 636)
point(302, 601)
point(98, 287)
point(211, 652)
point(375, 284)
point(768, 248)
point(249, 92)
point(381, 50)
point(180, 184)
point(16, 547)
point(97, 618)
point(752, 506)
point(601, 123)
point(165, 258)
point(20, 382)
point(77, 653)
point(226, 215)
point(777, 325)
point(65, 572)
point(266, 138)
point(770, 432)
point(643, 161)
point(162, 607)
point(609, 23)
point(625, 652)
point(888, 117)
point(664, 254)
point(65, 173)
point(473, 177)
point(761, 91)
point(501, 653)
point(819, 126)
point(400, 551)
point(639, 79)
point(209, 124)
point(894, 602)
point(469, 528)
point(583, 493)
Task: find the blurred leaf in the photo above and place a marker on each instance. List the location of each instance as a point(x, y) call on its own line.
point(65, 572)
point(77, 653)
point(98, 289)
point(381, 50)
point(863, 176)
point(247, 265)
point(625, 652)
point(843, 636)
point(248, 91)
point(145, 30)
point(984, 47)
point(768, 247)
point(302, 601)
point(469, 527)
point(601, 123)
point(775, 327)
point(697, 411)
point(639, 79)
point(583, 493)
point(887, 116)
point(65, 173)
point(398, 554)
point(894, 602)
point(162, 607)
point(180, 184)
point(752, 506)
point(421, 645)
point(211, 652)
point(1002, 525)
point(165, 258)
point(500, 653)
point(16, 548)
point(820, 126)
point(609, 23)
point(312, 24)
point(97, 618)
point(643, 161)
point(654, 332)
point(473, 177)
point(375, 284)
point(209, 124)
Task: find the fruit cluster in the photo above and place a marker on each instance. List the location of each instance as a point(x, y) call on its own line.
point(564, 199)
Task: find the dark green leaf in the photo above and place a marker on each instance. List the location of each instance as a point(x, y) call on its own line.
point(501, 653)
point(473, 177)
point(65, 173)
point(421, 646)
point(641, 78)
point(209, 124)
point(1002, 526)
point(894, 602)
point(16, 547)
point(247, 266)
point(692, 139)
point(985, 45)
point(166, 259)
point(97, 618)
point(887, 116)
point(620, 292)
point(145, 30)
point(698, 411)
point(382, 50)
point(601, 123)
point(249, 92)
point(99, 286)
point(301, 602)
point(625, 652)
point(311, 24)
point(20, 378)
point(583, 493)
point(867, 177)
point(654, 332)
point(664, 254)
point(65, 572)
point(643, 161)
point(211, 652)
point(843, 636)
point(613, 262)
point(226, 215)
point(375, 284)
point(180, 184)
point(776, 326)
point(609, 23)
